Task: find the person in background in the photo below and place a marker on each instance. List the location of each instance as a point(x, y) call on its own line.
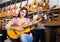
point(38, 32)
point(21, 19)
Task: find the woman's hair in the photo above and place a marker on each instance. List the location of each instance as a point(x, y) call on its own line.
point(23, 8)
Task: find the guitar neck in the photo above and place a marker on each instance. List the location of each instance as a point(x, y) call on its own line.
point(33, 24)
point(30, 26)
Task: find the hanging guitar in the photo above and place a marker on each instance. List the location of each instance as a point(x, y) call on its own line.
point(15, 34)
point(3, 12)
point(6, 10)
point(34, 6)
point(45, 4)
point(14, 9)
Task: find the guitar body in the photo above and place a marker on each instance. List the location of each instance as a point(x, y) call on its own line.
point(34, 6)
point(46, 6)
point(3, 12)
point(16, 34)
point(33, 9)
point(6, 12)
point(12, 11)
point(0, 14)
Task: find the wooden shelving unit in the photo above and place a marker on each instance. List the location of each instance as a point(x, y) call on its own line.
point(54, 22)
point(54, 16)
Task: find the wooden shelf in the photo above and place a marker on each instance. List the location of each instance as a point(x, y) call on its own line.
point(53, 23)
point(55, 20)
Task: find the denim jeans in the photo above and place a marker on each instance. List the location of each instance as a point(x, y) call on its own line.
point(25, 38)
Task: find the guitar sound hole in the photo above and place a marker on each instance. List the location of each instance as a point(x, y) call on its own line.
point(30, 6)
point(15, 32)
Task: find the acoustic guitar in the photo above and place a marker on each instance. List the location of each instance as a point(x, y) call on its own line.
point(13, 34)
point(45, 4)
point(3, 12)
point(27, 5)
point(6, 12)
point(34, 6)
point(0, 13)
point(12, 11)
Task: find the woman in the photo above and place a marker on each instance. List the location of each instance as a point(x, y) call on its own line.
point(22, 19)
